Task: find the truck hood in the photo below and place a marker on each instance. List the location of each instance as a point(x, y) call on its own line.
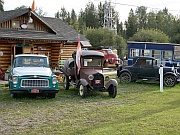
point(23, 71)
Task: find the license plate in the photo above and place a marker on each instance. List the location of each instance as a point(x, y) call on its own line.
point(34, 91)
point(97, 81)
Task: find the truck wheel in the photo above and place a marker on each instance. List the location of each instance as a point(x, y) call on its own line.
point(112, 91)
point(14, 95)
point(125, 77)
point(82, 91)
point(169, 80)
point(51, 95)
point(66, 82)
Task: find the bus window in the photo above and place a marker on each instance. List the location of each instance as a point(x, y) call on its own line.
point(145, 52)
point(177, 55)
point(156, 54)
point(166, 55)
point(134, 52)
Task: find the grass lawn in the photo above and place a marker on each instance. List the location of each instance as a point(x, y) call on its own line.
point(139, 109)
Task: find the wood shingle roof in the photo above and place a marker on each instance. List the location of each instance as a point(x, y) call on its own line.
point(60, 30)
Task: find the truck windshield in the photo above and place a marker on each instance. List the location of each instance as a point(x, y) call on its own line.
point(95, 62)
point(29, 61)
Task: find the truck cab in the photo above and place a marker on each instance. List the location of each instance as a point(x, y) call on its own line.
point(110, 58)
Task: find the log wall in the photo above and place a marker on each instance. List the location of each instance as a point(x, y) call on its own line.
point(5, 60)
point(67, 51)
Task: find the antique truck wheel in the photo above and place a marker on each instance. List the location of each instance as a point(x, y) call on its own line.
point(66, 82)
point(51, 95)
point(82, 91)
point(169, 80)
point(14, 95)
point(112, 91)
point(125, 77)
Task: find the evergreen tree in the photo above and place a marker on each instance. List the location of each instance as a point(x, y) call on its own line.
point(91, 17)
point(131, 24)
point(151, 20)
point(1, 5)
point(141, 16)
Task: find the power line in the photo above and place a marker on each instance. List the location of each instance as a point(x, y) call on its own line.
point(132, 5)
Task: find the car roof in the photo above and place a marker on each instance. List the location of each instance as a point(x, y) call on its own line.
point(31, 55)
point(86, 53)
point(92, 53)
point(143, 57)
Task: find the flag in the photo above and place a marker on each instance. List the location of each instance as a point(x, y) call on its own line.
point(78, 55)
point(33, 6)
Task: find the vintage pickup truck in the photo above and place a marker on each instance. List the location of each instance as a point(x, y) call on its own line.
point(31, 74)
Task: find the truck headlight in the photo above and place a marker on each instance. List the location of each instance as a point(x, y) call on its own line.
point(90, 77)
point(15, 79)
point(54, 79)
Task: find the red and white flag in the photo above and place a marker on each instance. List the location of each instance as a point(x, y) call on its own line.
point(78, 54)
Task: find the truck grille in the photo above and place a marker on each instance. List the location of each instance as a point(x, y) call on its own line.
point(34, 83)
point(98, 81)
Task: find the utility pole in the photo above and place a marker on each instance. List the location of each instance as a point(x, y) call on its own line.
point(109, 18)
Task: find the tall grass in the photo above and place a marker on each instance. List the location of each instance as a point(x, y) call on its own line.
point(139, 108)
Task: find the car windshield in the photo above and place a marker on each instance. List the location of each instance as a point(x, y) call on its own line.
point(30, 61)
point(92, 62)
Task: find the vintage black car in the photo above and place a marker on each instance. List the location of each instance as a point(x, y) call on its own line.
point(146, 68)
point(90, 76)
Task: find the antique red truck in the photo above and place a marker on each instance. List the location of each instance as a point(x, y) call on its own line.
point(110, 58)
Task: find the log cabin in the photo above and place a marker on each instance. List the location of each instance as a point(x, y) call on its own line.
point(23, 31)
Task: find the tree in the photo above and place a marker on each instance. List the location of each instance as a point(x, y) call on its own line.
point(150, 35)
point(1, 5)
point(131, 24)
point(121, 30)
point(73, 20)
point(91, 17)
point(176, 32)
point(64, 15)
point(106, 38)
point(81, 22)
point(40, 11)
point(21, 7)
point(151, 20)
point(101, 14)
point(141, 16)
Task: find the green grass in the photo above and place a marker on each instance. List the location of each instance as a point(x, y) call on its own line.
point(139, 108)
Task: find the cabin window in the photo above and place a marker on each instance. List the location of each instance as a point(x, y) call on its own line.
point(15, 24)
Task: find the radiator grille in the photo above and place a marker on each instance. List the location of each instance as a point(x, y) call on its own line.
point(98, 78)
point(34, 83)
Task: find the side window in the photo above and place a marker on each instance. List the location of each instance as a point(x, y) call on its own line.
point(146, 63)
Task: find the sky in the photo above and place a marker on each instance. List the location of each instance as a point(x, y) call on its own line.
point(122, 6)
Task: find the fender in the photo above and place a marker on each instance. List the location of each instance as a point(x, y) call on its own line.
point(170, 73)
point(124, 70)
point(85, 83)
point(63, 70)
point(119, 69)
point(111, 82)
